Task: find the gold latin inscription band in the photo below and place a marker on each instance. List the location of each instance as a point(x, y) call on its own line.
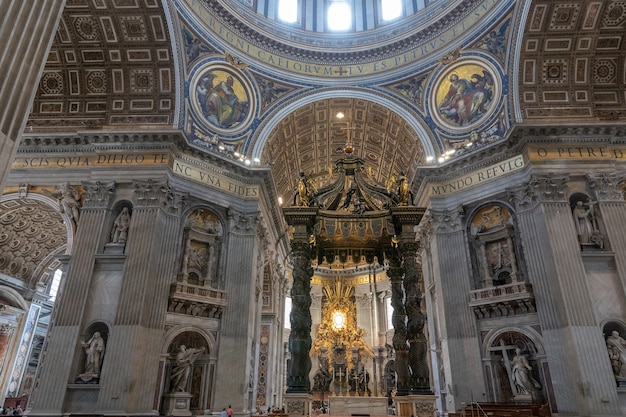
point(178, 166)
point(543, 153)
point(338, 71)
point(477, 177)
point(215, 180)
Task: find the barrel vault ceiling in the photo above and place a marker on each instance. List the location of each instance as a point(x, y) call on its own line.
point(112, 66)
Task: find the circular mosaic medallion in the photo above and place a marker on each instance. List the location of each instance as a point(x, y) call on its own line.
point(465, 95)
point(220, 98)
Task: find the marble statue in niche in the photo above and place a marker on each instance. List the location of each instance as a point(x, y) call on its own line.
point(521, 375)
point(94, 349)
point(119, 232)
point(516, 369)
point(616, 347)
point(586, 223)
point(181, 368)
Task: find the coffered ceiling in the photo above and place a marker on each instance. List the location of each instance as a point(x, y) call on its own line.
point(572, 63)
point(110, 65)
point(312, 139)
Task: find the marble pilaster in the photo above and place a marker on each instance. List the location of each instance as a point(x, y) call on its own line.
point(134, 345)
point(61, 360)
point(459, 344)
point(26, 34)
point(572, 339)
point(238, 320)
point(612, 207)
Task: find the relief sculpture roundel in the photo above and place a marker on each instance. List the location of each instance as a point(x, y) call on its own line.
point(221, 97)
point(466, 95)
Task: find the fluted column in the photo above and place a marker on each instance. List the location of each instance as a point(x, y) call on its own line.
point(27, 29)
point(59, 365)
point(239, 323)
point(459, 335)
point(135, 341)
point(572, 339)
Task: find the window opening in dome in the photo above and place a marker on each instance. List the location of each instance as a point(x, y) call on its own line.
point(391, 9)
point(288, 11)
point(339, 16)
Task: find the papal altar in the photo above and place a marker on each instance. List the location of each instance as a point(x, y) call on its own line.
point(371, 406)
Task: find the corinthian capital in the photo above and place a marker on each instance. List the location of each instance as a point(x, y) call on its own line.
point(550, 188)
point(607, 186)
point(447, 221)
point(97, 194)
point(425, 229)
point(524, 197)
point(243, 222)
point(152, 193)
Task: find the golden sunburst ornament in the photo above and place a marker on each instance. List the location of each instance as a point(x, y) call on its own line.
point(339, 325)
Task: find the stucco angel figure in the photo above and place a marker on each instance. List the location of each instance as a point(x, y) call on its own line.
point(69, 201)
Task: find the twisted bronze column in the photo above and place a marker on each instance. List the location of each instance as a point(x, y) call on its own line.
point(300, 336)
point(418, 346)
point(395, 273)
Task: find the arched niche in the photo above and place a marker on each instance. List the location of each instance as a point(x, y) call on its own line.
point(200, 264)
point(515, 367)
point(614, 332)
point(588, 223)
point(493, 246)
point(118, 227)
point(197, 379)
point(93, 342)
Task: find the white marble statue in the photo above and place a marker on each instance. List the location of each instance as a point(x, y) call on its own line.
point(119, 233)
point(69, 201)
point(616, 347)
point(583, 218)
point(94, 348)
point(523, 380)
point(181, 369)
